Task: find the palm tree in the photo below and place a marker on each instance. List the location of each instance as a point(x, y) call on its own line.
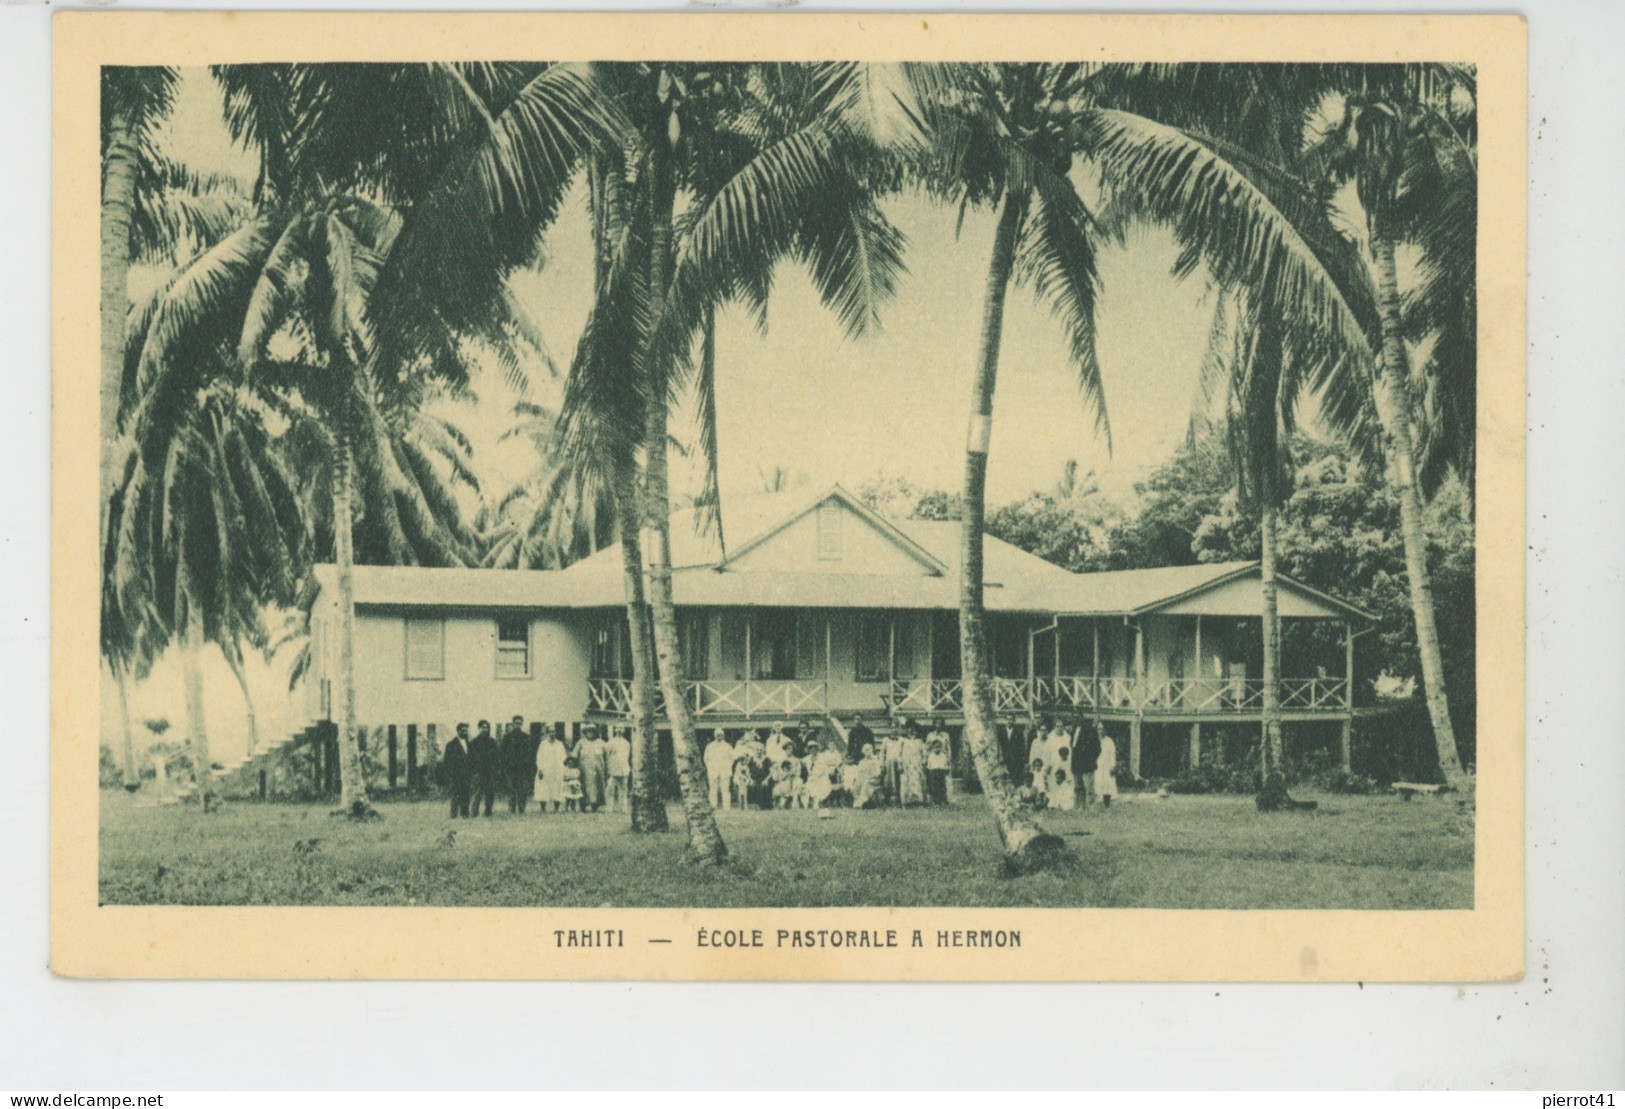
point(328, 292)
point(205, 530)
point(1009, 135)
point(555, 515)
point(314, 288)
point(133, 100)
point(772, 165)
point(1248, 366)
point(1404, 135)
point(1003, 141)
point(1406, 140)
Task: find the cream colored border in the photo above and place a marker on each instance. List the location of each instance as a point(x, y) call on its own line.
point(1485, 943)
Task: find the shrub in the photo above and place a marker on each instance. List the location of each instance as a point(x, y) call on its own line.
point(1238, 776)
point(109, 774)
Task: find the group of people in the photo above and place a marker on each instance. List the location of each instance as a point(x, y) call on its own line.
point(587, 776)
point(1066, 763)
point(907, 766)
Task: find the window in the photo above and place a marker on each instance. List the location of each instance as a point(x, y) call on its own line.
point(903, 655)
point(425, 649)
point(810, 643)
point(1009, 642)
point(773, 645)
point(873, 649)
point(829, 530)
point(694, 630)
point(513, 647)
point(611, 647)
point(731, 645)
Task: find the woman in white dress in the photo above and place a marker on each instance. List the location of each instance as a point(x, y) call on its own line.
point(1058, 783)
point(1106, 771)
point(550, 772)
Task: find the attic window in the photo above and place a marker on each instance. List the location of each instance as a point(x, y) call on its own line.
point(829, 531)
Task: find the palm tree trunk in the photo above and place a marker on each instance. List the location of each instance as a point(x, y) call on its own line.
point(1027, 846)
point(193, 643)
point(352, 782)
point(234, 659)
point(132, 774)
point(1394, 409)
point(1271, 754)
point(119, 163)
point(704, 838)
point(648, 807)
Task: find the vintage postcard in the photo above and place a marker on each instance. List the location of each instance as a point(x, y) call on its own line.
point(788, 496)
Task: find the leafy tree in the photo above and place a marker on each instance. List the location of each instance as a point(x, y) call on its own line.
point(1170, 505)
point(1340, 533)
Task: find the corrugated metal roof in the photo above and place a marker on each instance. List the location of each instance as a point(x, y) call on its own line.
point(1016, 580)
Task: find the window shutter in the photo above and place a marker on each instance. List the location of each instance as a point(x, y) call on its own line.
point(425, 649)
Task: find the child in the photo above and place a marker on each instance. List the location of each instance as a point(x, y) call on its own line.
point(786, 778)
point(572, 784)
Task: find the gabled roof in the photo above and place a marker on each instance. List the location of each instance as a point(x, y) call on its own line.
point(1016, 581)
point(1139, 592)
point(874, 519)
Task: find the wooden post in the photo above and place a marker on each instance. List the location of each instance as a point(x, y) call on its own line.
point(332, 758)
point(413, 774)
point(1094, 668)
point(829, 663)
point(1032, 674)
point(394, 757)
point(750, 662)
point(1196, 742)
point(263, 784)
point(1199, 673)
point(1348, 666)
point(1134, 745)
point(1347, 739)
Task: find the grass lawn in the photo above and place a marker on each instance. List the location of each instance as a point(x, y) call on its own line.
point(1182, 852)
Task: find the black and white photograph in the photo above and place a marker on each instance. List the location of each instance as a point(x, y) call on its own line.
point(781, 484)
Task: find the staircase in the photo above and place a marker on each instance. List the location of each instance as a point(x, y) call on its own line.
point(236, 772)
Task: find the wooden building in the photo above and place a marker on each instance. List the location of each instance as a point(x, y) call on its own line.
point(824, 606)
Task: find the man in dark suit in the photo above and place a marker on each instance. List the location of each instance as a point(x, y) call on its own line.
point(518, 764)
point(1085, 753)
point(485, 766)
point(454, 771)
point(858, 736)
